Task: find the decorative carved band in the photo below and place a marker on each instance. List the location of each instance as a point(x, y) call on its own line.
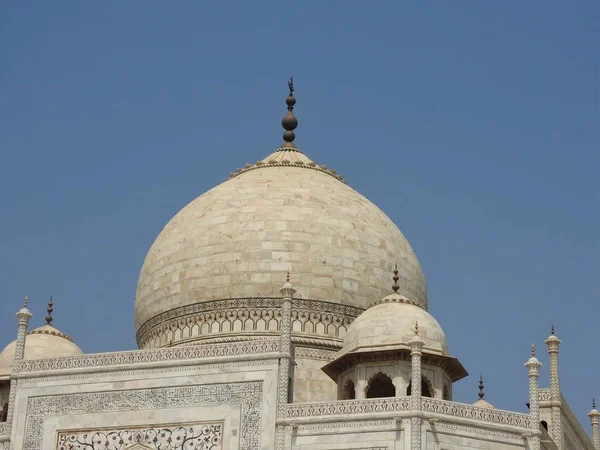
point(431, 405)
point(148, 356)
point(205, 320)
point(273, 163)
point(315, 353)
point(472, 412)
point(197, 437)
point(346, 407)
point(544, 395)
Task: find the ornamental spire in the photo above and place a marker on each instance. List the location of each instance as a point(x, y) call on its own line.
point(50, 309)
point(395, 287)
point(289, 121)
point(481, 394)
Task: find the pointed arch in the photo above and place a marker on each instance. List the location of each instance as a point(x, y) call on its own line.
point(380, 385)
point(426, 388)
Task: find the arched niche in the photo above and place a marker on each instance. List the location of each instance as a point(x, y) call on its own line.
point(380, 386)
point(426, 388)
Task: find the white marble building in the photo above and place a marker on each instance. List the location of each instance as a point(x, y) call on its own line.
point(232, 355)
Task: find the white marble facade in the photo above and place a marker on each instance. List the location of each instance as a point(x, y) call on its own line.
point(229, 361)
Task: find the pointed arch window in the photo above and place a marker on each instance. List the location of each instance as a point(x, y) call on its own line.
point(380, 385)
point(426, 388)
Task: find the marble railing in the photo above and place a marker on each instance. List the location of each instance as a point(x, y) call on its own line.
point(230, 349)
point(347, 407)
point(429, 405)
point(544, 395)
point(472, 412)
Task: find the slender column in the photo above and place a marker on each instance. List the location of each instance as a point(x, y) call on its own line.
point(556, 424)
point(416, 350)
point(533, 366)
point(23, 317)
point(594, 416)
point(284, 392)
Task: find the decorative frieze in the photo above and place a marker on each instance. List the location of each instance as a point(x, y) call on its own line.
point(247, 395)
point(544, 395)
point(197, 437)
point(206, 319)
point(346, 407)
point(151, 356)
point(472, 412)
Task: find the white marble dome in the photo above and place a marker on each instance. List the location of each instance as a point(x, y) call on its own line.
point(43, 342)
point(390, 324)
point(284, 213)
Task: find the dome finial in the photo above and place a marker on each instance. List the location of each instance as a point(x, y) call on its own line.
point(552, 330)
point(25, 302)
point(287, 277)
point(533, 350)
point(481, 394)
point(50, 309)
point(593, 403)
point(416, 328)
point(289, 121)
point(395, 287)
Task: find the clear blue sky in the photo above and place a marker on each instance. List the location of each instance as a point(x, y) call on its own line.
point(473, 124)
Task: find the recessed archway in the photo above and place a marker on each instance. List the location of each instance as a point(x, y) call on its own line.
point(426, 388)
point(379, 386)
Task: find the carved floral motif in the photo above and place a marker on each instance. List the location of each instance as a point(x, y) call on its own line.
point(247, 395)
point(189, 437)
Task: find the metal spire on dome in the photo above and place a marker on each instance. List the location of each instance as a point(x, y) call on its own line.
point(481, 394)
point(395, 287)
point(289, 121)
point(50, 309)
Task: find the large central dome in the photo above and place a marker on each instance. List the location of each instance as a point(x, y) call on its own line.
point(240, 238)
point(214, 272)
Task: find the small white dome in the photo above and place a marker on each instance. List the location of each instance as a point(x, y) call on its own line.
point(481, 403)
point(43, 342)
point(390, 323)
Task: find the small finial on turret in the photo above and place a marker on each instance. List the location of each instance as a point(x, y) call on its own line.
point(25, 302)
point(532, 350)
point(552, 330)
point(287, 278)
point(395, 287)
point(593, 403)
point(481, 394)
point(416, 328)
point(50, 309)
point(289, 121)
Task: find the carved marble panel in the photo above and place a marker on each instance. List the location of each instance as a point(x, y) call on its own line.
point(247, 395)
point(184, 437)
